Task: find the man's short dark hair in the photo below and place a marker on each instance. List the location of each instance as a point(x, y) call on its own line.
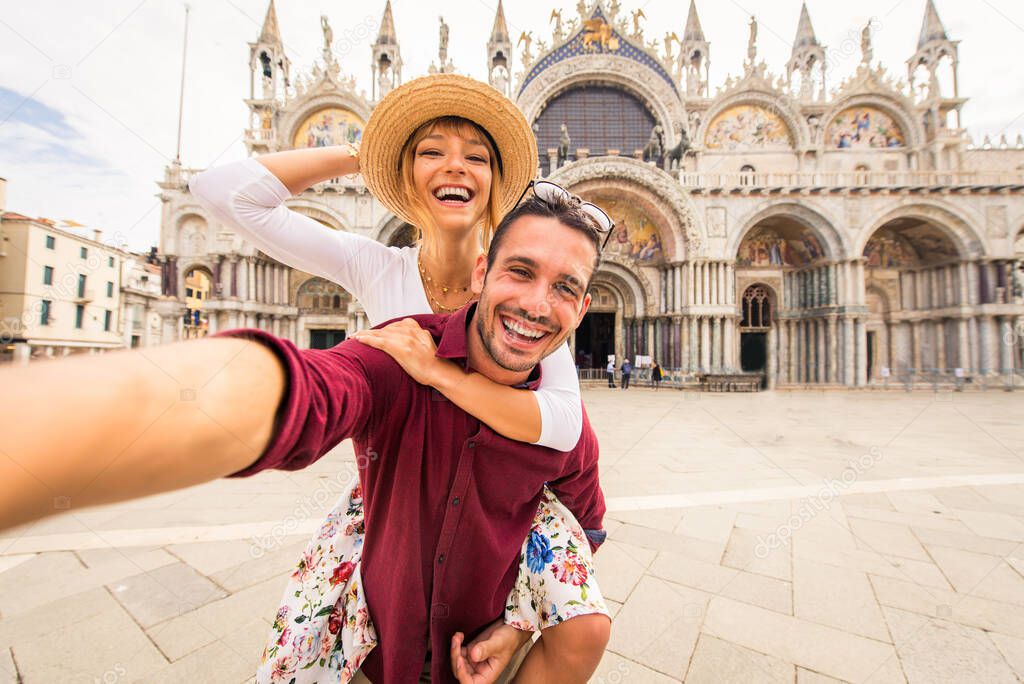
point(566, 211)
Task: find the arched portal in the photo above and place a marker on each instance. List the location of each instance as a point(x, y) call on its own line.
point(198, 288)
point(913, 274)
point(756, 316)
point(785, 270)
point(594, 340)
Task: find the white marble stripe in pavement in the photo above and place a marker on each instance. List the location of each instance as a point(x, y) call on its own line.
point(267, 535)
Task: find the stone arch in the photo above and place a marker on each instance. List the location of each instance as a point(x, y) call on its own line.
point(195, 265)
point(388, 228)
point(631, 284)
point(292, 120)
point(772, 102)
point(319, 212)
point(812, 218)
point(612, 70)
point(318, 294)
point(912, 131)
point(656, 187)
point(968, 242)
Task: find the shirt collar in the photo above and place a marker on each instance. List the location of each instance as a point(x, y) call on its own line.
point(454, 343)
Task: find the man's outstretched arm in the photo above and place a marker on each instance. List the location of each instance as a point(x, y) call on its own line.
point(98, 429)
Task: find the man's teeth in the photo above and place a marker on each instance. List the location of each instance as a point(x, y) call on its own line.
point(452, 191)
point(516, 328)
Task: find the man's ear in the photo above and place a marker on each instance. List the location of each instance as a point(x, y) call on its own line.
point(583, 309)
point(479, 274)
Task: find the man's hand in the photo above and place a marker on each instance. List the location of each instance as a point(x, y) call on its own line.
point(487, 656)
point(411, 346)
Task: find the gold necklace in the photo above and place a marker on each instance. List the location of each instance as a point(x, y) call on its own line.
point(428, 284)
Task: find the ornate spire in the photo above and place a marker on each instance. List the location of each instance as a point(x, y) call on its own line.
point(270, 33)
point(804, 32)
point(499, 33)
point(387, 34)
point(807, 60)
point(694, 63)
point(387, 56)
point(693, 31)
point(931, 28)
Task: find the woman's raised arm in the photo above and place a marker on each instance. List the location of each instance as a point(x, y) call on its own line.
point(248, 197)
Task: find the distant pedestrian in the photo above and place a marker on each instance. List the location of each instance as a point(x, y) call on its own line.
point(627, 371)
point(656, 374)
point(611, 374)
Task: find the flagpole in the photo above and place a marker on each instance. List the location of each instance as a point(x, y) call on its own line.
point(181, 98)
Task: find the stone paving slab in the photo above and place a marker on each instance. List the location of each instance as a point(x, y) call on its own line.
point(884, 581)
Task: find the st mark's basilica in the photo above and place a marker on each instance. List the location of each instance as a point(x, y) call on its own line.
point(815, 233)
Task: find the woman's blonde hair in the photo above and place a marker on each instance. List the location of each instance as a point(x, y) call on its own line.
point(464, 128)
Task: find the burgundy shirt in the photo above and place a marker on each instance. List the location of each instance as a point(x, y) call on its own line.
point(447, 501)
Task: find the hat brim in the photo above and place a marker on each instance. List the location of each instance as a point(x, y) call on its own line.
point(413, 104)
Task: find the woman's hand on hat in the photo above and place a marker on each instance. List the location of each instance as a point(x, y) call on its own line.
point(412, 347)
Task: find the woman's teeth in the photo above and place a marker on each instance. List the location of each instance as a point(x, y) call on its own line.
point(448, 192)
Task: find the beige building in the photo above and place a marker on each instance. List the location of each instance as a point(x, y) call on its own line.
point(809, 233)
point(140, 291)
point(60, 293)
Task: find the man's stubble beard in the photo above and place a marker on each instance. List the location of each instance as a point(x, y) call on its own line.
point(489, 343)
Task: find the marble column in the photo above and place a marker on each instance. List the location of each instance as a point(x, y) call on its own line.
point(705, 281)
point(693, 343)
point(822, 355)
point(1006, 339)
point(233, 278)
point(963, 340)
point(848, 353)
point(225, 278)
point(940, 344)
point(729, 350)
point(716, 343)
point(833, 351)
point(862, 352)
point(793, 372)
point(771, 372)
point(677, 339)
point(705, 343)
point(986, 343)
point(678, 282)
point(916, 344)
point(783, 355)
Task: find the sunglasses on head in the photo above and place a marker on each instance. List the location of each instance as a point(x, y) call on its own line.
point(552, 193)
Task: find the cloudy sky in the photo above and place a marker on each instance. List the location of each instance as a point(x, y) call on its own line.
point(89, 91)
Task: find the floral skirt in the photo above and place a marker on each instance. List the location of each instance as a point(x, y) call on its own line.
point(322, 632)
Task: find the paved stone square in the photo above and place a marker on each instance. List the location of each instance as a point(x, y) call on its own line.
point(783, 536)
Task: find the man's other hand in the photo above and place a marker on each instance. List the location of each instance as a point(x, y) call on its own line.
point(487, 656)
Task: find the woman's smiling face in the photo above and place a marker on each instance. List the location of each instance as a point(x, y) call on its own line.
point(452, 177)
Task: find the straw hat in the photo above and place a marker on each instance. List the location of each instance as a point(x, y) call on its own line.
point(409, 106)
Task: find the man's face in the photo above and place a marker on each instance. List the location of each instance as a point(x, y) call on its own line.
point(534, 296)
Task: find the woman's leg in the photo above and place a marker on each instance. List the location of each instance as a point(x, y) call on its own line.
point(557, 593)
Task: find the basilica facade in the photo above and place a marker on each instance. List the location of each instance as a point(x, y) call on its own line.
point(812, 233)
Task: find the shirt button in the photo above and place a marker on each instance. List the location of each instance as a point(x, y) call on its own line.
point(440, 559)
point(471, 444)
point(455, 501)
